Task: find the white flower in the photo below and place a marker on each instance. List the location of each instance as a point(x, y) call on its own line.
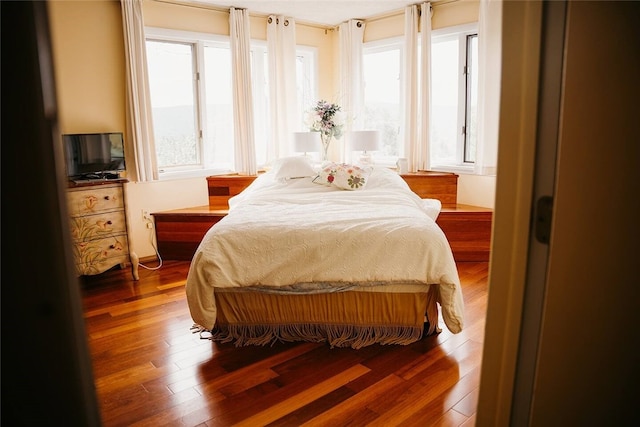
point(325, 118)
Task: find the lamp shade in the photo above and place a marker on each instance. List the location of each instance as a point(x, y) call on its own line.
point(365, 140)
point(305, 142)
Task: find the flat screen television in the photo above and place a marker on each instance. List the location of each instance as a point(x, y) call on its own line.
point(94, 155)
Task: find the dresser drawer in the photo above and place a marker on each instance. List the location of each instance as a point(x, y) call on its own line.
point(98, 199)
point(97, 226)
point(96, 256)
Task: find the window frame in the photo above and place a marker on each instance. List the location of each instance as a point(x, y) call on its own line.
point(382, 45)
point(469, 86)
point(459, 33)
point(261, 92)
point(199, 41)
point(260, 103)
point(310, 56)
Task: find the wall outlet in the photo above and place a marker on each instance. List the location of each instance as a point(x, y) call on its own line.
point(145, 215)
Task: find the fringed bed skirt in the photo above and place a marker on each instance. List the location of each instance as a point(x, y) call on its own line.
point(342, 319)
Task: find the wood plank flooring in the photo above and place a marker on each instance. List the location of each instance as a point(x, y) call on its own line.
point(150, 370)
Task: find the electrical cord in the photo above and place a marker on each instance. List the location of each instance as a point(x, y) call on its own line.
point(155, 247)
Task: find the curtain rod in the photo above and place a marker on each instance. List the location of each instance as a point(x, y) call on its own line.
point(226, 10)
point(434, 4)
point(194, 5)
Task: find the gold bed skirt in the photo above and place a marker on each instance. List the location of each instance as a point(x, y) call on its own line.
point(343, 319)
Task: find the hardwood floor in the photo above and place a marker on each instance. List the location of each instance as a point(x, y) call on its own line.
point(150, 370)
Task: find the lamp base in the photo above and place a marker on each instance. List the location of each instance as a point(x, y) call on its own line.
point(365, 159)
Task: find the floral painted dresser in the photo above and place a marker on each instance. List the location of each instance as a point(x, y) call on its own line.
point(99, 228)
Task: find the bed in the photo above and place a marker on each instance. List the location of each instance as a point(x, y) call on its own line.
point(344, 255)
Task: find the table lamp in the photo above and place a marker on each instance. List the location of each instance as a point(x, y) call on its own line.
point(365, 141)
point(305, 142)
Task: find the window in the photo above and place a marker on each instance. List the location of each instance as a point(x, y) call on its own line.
point(191, 98)
point(190, 85)
point(454, 87)
point(382, 99)
point(306, 82)
point(260, 93)
point(306, 85)
point(454, 97)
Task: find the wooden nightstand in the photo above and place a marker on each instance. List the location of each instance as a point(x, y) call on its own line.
point(468, 228)
point(434, 185)
point(223, 187)
point(180, 231)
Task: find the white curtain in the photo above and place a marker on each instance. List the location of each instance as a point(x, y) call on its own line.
point(411, 87)
point(421, 155)
point(281, 48)
point(489, 76)
point(351, 36)
point(245, 151)
point(139, 123)
point(417, 86)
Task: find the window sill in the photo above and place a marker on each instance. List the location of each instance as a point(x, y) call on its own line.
point(467, 170)
point(168, 176)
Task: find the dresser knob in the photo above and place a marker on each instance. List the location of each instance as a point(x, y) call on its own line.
point(106, 197)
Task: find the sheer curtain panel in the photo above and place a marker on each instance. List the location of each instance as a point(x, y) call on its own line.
point(351, 35)
point(411, 87)
point(281, 51)
point(422, 157)
point(417, 86)
point(244, 148)
point(139, 122)
point(489, 76)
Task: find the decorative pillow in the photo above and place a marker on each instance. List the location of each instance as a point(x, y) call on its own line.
point(293, 167)
point(342, 175)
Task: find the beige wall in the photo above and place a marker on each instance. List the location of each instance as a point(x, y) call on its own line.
point(90, 81)
point(89, 65)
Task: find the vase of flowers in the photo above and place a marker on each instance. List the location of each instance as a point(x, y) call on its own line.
point(327, 119)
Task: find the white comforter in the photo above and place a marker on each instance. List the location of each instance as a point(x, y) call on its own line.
point(298, 236)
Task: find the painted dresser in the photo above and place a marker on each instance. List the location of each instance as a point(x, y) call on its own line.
point(98, 227)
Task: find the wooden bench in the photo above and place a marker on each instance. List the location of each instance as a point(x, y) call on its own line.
point(468, 228)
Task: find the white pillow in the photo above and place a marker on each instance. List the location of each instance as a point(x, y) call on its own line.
point(293, 167)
